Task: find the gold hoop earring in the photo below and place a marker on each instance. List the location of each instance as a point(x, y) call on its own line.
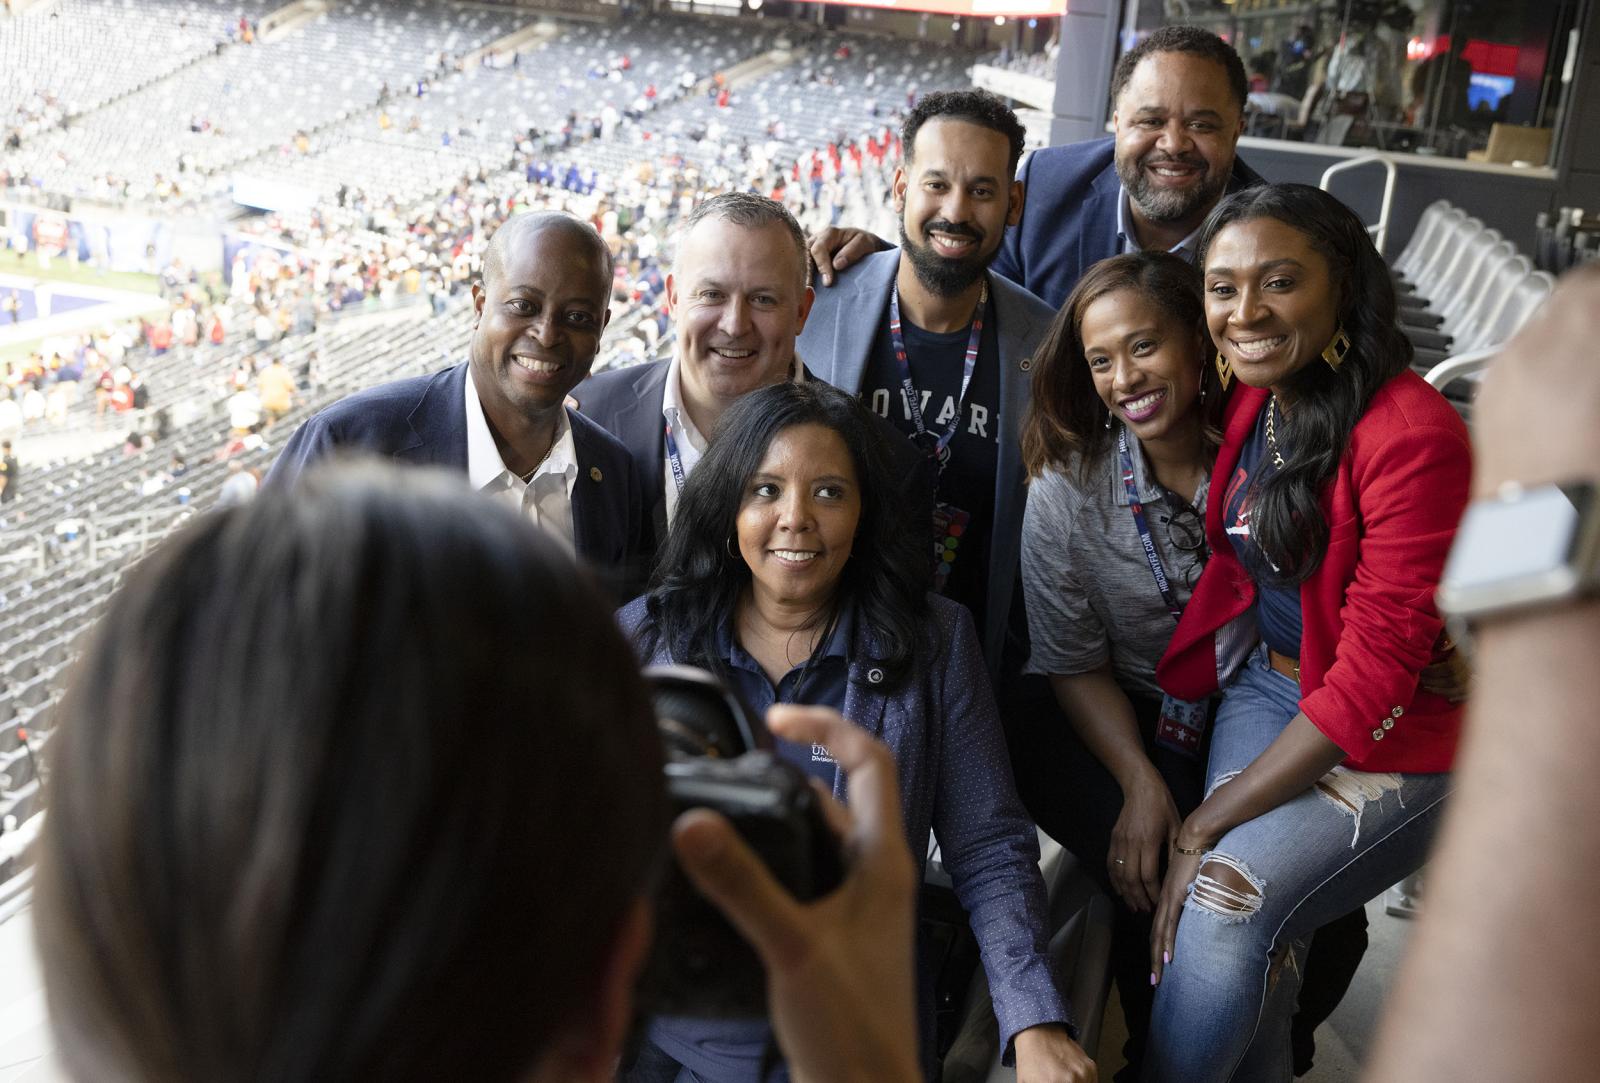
point(1224, 370)
point(1336, 351)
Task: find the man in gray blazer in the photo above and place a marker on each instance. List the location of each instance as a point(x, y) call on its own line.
point(941, 347)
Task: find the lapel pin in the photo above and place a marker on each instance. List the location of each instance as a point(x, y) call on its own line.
point(595, 474)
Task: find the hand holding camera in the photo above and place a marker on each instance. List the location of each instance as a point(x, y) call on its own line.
point(838, 970)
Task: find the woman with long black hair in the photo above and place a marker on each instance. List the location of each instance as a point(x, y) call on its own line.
point(1334, 499)
point(789, 573)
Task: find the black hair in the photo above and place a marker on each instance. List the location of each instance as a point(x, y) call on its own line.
point(327, 792)
point(1183, 39)
point(1066, 419)
point(699, 577)
point(1287, 520)
point(972, 106)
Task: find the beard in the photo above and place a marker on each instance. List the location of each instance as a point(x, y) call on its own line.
point(1166, 204)
point(941, 275)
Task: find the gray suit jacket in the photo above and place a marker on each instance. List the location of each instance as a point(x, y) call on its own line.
point(837, 343)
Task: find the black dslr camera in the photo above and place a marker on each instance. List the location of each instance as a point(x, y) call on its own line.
point(719, 756)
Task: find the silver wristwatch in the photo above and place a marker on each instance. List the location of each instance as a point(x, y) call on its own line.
point(1522, 548)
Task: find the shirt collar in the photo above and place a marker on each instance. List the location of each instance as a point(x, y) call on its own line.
point(485, 467)
point(1149, 491)
point(672, 410)
point(1127, 242)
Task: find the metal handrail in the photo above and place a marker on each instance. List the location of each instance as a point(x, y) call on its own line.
point(95, 526)
point(1380, 232)
point(31, 548)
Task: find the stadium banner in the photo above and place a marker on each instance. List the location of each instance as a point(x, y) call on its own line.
point(114, 242)
point(242, 252)
point(982, 9)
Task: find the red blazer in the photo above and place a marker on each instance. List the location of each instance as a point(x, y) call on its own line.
point(1368, 614)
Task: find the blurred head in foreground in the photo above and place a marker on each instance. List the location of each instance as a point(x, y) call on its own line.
point(356, 781)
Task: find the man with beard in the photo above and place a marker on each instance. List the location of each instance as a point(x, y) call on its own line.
point(1178, 110)
point(937, 344)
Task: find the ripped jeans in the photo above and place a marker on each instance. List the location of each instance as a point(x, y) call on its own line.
point(1222, 1010)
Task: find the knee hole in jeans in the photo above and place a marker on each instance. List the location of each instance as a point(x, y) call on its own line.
point(1350, 791)
point(1225, 887)
point(1221, 780)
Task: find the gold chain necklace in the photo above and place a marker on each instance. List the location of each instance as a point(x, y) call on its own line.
point(528, 477)
point(1272, 436)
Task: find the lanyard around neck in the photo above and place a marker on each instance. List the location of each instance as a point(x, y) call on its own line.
point(940, 448)
point(673, 459)
point(1136, 506)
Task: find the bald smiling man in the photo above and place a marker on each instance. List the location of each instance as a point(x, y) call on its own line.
point(500, 416)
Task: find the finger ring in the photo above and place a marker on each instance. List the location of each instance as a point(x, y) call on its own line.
point(1119, 861)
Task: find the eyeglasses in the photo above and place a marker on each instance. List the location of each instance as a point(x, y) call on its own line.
point(1185, 530)
point(1186, 533)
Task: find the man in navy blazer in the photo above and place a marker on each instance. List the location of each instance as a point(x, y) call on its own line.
point(955, 197)
point(501, 416)
point(739, 291)
point(1178, 110)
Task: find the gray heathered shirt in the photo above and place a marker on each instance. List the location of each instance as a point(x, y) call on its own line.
point(1090, 592)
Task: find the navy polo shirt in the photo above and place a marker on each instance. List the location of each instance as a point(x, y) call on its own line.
point(819, 682)
point(732, 1049)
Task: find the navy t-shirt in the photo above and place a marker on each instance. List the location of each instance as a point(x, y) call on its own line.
point(1278, 614)
point(968, 482)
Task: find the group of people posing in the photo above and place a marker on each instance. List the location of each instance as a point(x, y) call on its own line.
point(1105, 498)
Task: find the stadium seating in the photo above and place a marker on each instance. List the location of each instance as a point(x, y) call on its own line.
point(1465, 292)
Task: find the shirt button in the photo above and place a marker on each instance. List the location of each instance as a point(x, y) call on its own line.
point(1377, 735)
point(1397, 712)
point(1388, 723)
point(874, 675)
point(1025, 364)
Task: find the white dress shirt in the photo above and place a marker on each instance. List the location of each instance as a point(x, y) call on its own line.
point(690, 440)
point(546, 497)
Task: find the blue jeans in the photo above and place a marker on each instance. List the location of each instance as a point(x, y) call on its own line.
point(1222, 1010)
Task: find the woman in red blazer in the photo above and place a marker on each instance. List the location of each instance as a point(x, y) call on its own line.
point(1335, 497)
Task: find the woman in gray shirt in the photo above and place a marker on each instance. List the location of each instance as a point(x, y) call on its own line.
point(1119, 442)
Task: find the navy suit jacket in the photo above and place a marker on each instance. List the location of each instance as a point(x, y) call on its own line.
point(423, 420)
point(844, 323)
point(955, 781)
point(627, 403)
point(1069, 216)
